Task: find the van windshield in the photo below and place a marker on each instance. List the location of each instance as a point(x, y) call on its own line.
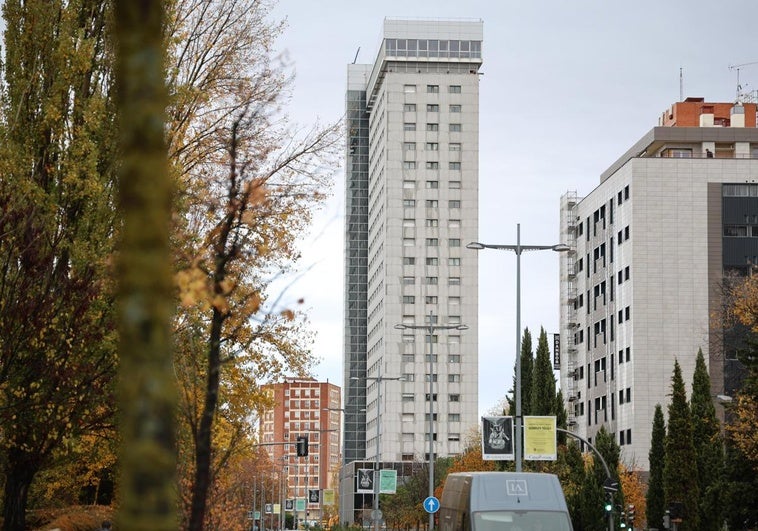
point(520, 521)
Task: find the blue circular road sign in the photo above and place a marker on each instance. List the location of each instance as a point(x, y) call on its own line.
point(431, 504)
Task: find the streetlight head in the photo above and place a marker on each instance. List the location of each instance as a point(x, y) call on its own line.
point(561, 248)
point(400, 327)
point(475, 245)
point(724, 398)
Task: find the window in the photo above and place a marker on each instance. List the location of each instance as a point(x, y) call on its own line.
point(454, 185)
point(453, 261)
point(407, 417)
point(455, 128)
point(432, 107)
point(454, 242)
point(454, 223)
point(454, 398)
point(431, 203)
point(409, 165)
point(432, 242)
point(433, 89)
point(454, 203)
point(454, 166)
point(432, 146)
point(408, 377)
point(408, 397)
point(409, 338)
point(455, 108)
point(432, 185)
point(432, 127)
point(454, 358)
point(409, 184)
point(454, 417)
point(454, 281)
point(432, 261)
point(454, 378)
point(454, 89)
point(454, 146)
point(409, 242)
point(408, 126)
point(430, 299)
point(409, 299)
point(409, 260)
point(432, 165)
point(409, 202)
point(431, 281)
point(409, 280)
point(407, 358)
point(452, 437)
point(454, 301)
point(408, 89)
point(409, 107)
point(432, 222)
point(409, 146)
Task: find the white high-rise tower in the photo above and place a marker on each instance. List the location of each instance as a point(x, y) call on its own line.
point(411, 206)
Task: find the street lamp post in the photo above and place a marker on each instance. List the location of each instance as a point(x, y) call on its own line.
point(518, 249)
point(430, 328)
point(378, 379)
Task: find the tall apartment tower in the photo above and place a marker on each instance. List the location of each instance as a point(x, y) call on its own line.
point(650, 248)
point(411, 206)
point(304, 407)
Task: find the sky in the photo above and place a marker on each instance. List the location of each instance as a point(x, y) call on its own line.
point(567, 88)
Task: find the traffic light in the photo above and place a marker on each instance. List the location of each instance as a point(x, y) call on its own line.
point(667, 520)
point(608, 505)
point(302, 446)
point(630, 513)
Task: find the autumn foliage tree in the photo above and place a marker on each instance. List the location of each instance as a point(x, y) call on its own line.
point(57, 171)
point(247, 184)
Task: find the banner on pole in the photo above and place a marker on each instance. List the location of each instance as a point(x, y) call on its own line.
point(328, 497)
point(540, 438)
point(364, 481)
point(387, 481)
point(497, 438)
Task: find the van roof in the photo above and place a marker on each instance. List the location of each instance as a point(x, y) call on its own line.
point(512, 490)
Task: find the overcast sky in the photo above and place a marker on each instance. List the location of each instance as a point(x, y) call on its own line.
point(567, 88)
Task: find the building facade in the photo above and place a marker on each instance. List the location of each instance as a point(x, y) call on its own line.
point(412, 121)
point(650, 248)
point(304, 407)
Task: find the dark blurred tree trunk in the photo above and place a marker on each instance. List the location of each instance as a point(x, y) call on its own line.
point(146, 385)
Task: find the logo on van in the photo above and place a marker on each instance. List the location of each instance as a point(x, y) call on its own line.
point(516, 487)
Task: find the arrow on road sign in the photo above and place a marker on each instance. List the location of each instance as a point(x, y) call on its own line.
point(431, 504)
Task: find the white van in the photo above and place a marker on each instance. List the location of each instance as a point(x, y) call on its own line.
point(503, 501)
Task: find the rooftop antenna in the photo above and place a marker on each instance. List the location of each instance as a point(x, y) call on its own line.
point(737, 68)
point(681, 85)
point(356, 54)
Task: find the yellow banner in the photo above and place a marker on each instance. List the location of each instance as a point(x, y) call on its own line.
point(328, 497)
point(540, 439)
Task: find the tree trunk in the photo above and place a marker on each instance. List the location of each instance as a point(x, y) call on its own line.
point(19, 476)
point(147, 393)
point(203, 439)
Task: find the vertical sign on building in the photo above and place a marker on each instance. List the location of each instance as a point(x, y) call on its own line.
point(556, 351)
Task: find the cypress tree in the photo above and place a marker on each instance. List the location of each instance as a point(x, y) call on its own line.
point(655, 501)
point(708, 447)
point(593, 516)
point(679, 482)
point(561, 417)
point(543, 381)
point(527, 364)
